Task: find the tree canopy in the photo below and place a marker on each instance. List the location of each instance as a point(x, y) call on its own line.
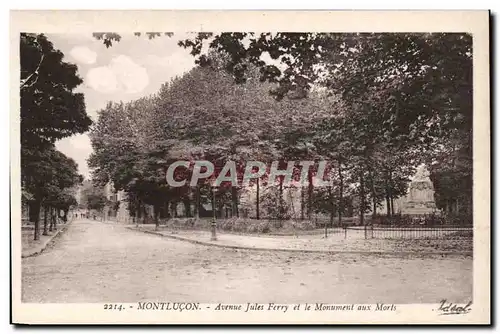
point(375, 105)
point(50, 110)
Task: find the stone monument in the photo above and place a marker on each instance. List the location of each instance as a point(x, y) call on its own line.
point(420, 198)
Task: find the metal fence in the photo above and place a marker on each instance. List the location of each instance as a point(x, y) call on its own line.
point(435, 232)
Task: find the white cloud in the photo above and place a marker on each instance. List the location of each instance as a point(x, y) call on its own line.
point(102, 79)
point(83, 54)
point(171, 65)
point(134, 78)
point(122, 74)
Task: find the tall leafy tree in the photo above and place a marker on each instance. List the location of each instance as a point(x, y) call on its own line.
point(48, 174)
point(397, 100)
point(50, 110)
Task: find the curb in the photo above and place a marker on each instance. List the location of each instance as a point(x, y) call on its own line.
point(39, 250)
point(291, 250)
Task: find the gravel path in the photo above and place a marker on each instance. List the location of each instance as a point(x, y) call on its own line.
point(97, 262)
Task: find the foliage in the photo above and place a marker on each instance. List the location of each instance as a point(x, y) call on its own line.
point(275, 206)
point(49, 176)
point(50, 109)
point(96, 202)
point(49, 171)
point(404, 92)
point(374, 105)
point(429, 220)
point(93, 196)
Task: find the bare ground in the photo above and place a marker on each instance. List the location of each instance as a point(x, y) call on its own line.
point(31, 246)
point(336, 241)
point(96, 262)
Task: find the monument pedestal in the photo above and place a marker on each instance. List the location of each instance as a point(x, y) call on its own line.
point(414, 208)
point(420, 199)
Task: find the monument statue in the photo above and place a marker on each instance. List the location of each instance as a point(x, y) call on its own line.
point(420, 199)
point(422, 174)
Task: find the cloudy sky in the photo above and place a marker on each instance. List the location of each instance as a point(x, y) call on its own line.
point(130, 69)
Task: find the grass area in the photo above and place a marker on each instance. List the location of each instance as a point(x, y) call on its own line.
point(335, 242)
point(262, 227)
point(248, 226)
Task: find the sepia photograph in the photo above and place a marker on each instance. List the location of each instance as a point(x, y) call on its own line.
point(260, 173)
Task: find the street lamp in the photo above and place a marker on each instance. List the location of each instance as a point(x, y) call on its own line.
point(214, 221)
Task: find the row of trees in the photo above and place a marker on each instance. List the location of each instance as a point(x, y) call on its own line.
point(374, 105)
point(50, 110)
point(93, 198)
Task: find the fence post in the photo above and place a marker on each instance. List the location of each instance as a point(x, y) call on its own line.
point(345, 232)
point(366, 236)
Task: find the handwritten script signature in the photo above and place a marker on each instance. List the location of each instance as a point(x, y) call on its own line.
point(447, 308)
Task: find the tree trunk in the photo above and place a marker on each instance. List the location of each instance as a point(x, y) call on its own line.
point(165, 209)
point(234, 201)
point(302, 203)
point(332, 203)
point(214, 209)
point(332, 210)
point(257, 202)
point(197, 202)
point(361, 199)
point(362, 202)
point(55, 218)
point(390, 193)
point(156, 212)
point(175, 209)
point(388, 203)
point(309, 193)
point(137, 212)
point(374, 193)
point(387, 195)
point(281, 202)
point(36, 215)
point(144, 214)
point(350, 207)
point(220, 209)
point(45, 210)
point(50, 219)
point(51, 216)
point(32, 211)
point(341, 194)
point(392, 205)
point(187, 206)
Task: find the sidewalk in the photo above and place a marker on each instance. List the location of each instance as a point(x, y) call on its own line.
point(334, 243)
point(32, 247)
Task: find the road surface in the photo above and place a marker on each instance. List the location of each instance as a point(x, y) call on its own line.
point(105, 262)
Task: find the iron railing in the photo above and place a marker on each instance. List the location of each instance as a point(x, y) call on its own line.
point(382, 232)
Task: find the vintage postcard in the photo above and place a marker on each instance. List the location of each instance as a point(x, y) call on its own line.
point(232, 167)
